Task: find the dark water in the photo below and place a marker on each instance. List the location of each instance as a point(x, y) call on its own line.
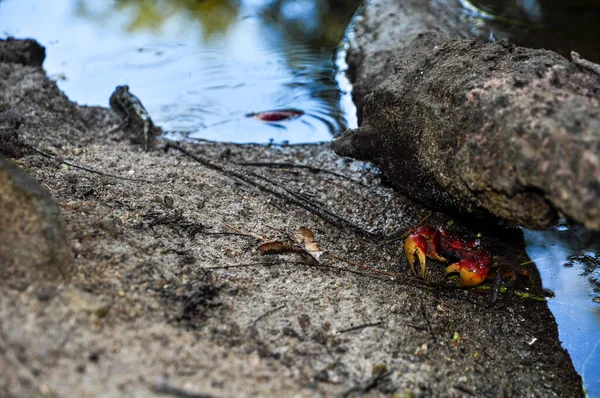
point(201, 66)
point(558, 25)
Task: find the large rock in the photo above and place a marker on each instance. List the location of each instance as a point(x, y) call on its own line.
point(32, 236)
point(479, 128)
point(24, 51)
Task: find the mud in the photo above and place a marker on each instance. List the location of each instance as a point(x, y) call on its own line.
point(170, 296)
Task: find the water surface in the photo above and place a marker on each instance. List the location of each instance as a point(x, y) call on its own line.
point(569, 261)
point(198, 67)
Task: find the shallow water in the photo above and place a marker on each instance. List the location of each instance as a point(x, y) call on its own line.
point(569, 263)
point(201, 67)
point(197, 70)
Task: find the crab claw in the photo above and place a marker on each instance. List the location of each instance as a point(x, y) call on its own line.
point(472, 272)
point(423, 242)
point(416, 244)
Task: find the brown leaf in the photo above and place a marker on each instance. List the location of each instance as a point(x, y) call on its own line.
point(306, 240)
point(278, 247)
point(303, 242)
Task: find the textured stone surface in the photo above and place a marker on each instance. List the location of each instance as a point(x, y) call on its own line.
point(10, 144)
point(476, 128)
point(32, 236)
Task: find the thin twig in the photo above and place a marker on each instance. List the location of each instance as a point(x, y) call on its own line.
point(464, 389)
point(88, 169)
point(301, 166)
point(357, 192)
point(167, 389)
point(240, 232)
point(259, 264)
point(367, 385)
point(290, 197)
point(358, 265)
point(410, 325)
point(280, 231)
point(308, 205)
point(266, 314)
point(227, 233)
point(366, 325)
point(424, 219)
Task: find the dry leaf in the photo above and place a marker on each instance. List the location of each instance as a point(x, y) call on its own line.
point(303, 242)
point(305, 238)
point(278, 247)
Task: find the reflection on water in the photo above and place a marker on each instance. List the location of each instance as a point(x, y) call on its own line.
point(198, 66)
point(214, 16)
point(569, 262)
point(559, 25)
point(201, 66)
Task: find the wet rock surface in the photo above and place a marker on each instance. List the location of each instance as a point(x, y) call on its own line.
point(170, 294)
point(485, 129)
point(135, 120)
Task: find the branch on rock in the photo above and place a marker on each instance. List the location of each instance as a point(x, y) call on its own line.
point(273, 188)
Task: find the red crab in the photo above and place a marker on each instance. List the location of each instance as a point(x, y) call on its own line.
point(473, 262)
